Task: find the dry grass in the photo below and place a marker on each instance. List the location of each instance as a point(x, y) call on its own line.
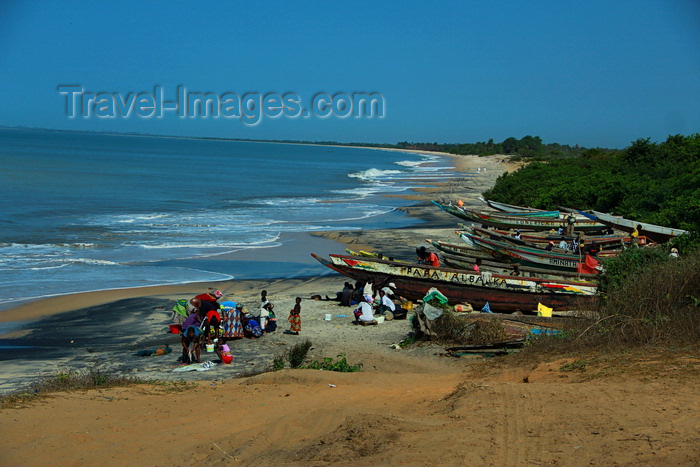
point(453, 328)
point(654, 307)
point(65, 381)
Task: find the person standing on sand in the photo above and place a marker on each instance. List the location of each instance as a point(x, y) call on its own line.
point(264, 309)
point(208, 301)
point(231, 319)
point(212, 322)
point(295, 318)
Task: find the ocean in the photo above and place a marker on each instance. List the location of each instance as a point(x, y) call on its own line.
point(91, 211)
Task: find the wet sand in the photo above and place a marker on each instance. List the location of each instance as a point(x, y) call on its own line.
point(105, 329)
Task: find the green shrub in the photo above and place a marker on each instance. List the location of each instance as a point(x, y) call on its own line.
point(341, 365)
point(297, 354)
point(278, 363)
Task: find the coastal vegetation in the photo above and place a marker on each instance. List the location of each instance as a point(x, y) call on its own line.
point(658, 183)
point(646, 297)
point(526, 148)
point(648, 300)
point(93, 378)
point(297, 354)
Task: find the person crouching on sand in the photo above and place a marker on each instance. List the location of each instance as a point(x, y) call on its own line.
point(363, 313)
point(223, 350)
point(295, 318)
point(190, 344)
point(251, 327)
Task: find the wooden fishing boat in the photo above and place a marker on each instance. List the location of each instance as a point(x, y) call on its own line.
point(536, 247)
point(466, 252)
point(371, 254)
point(502, 293)
point(497, 267)
point(655, 232)
point(530, 257)
point(464, 257)
point(517, 222)
point(503, 207)
point(547, 214)
point(606, 242)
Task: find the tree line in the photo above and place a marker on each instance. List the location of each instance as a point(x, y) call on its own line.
point(658, 183)
point(527, 147)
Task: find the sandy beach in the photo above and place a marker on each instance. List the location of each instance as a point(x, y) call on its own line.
point(413, 406)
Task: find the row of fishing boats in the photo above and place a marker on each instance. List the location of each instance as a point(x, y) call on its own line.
point(513, 274)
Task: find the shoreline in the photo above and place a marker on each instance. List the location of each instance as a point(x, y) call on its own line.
point(407, 405)
point(104, 329)
point(431, 219)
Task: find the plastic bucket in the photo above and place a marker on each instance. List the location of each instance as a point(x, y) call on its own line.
point(210, 348)
point(175, 329)
point(327, 317)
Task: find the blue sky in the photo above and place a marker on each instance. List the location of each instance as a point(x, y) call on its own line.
point(588, 73)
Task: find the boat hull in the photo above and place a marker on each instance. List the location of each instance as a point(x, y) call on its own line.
point(517, 222)
point(529, 257)
point(655, 232)
point(503, 293)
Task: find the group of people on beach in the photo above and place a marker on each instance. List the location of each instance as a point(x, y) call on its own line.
point(206, 322)
point(370, 299)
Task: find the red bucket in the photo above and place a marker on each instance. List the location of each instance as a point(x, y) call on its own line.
point(175, 328)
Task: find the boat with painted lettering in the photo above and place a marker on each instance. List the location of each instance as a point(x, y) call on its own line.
point(503, 293)
point(584, 264)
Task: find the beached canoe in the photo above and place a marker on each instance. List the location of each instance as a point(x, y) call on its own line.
point(503, 207)
point(464, 257)
point(536, 247)
point(465, 251)
point(517, 222)
point(503, 293)
point(506, 269)
point(529, 257)
point(605, 242)
point(655, 232)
